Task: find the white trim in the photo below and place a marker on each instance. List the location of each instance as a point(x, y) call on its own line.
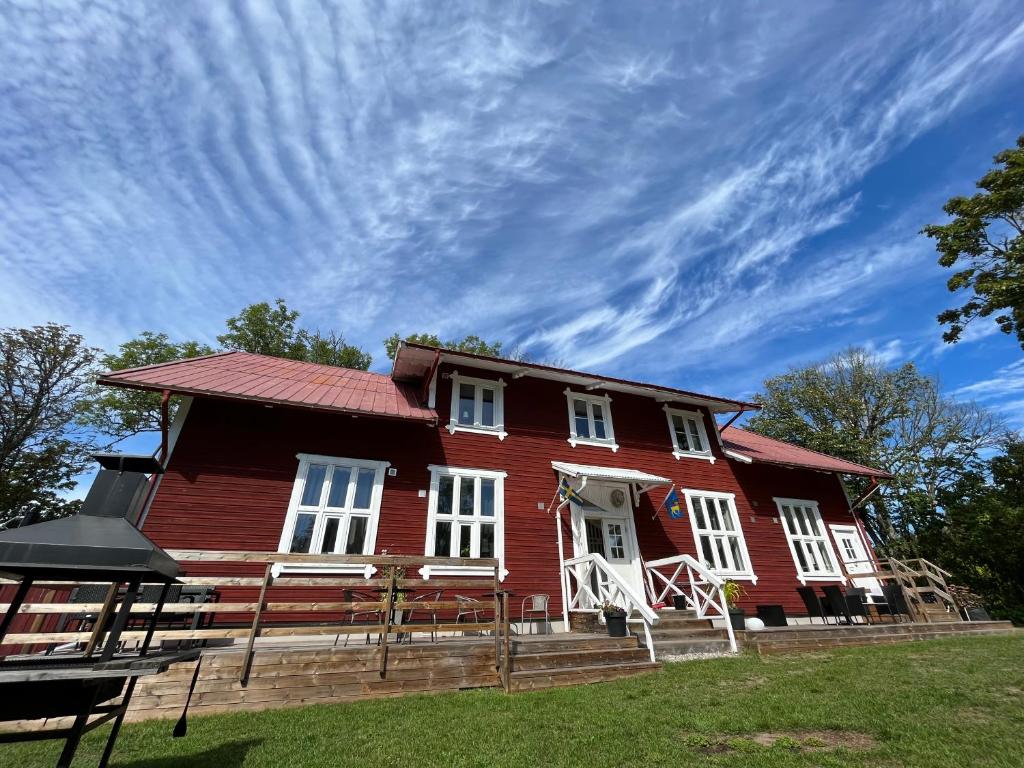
point(432, 389)
point(460, 473)
point(738, 456)
point(172, 440)
point(345, 514)
point(605, 401)
point(746, 575)
point(702, 433)
point(836, 574)
point(497, 386)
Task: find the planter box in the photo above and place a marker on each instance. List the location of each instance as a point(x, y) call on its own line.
point(616, 624)
point(737, 617)
point(679, 602)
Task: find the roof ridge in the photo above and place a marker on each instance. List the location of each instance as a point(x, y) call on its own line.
point(151, 366)
point(803, 448)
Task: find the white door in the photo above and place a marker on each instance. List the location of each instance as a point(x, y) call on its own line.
point(608, 530)
point(855, 556)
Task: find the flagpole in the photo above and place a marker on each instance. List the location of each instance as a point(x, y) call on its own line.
point(660, 506)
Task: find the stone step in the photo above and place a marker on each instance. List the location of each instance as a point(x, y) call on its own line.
point(575, 659)
point(824, 631)
point(681, 647)
point(533, 680)
point(681, 621)
point(569, 642)
point(684, 634)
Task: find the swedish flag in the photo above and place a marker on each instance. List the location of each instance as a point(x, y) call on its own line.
point(567, 493)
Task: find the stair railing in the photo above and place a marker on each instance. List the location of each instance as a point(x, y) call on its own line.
point(702, 589)
point(592, 582)
point(919, 577)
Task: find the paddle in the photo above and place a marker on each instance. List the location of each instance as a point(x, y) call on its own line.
point(181, 726)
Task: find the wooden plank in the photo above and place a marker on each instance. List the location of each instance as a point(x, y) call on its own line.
point(506, 630)
point(203, 555)
point(247, 664)
point(101, 619)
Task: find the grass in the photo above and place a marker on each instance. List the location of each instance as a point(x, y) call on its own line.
point(928, 704)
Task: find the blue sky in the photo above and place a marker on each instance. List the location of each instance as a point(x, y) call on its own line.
point(699, 195)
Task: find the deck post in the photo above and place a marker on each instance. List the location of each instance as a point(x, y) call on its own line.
point(507, 668)
point(388, 603)
point(497, 621)
point(243, 677)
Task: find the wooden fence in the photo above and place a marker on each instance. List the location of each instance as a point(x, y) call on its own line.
point(390, 576)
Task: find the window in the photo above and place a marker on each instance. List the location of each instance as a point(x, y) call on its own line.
point(465, 517)
point(718, 534)
point(808, 540)
point(334, 506)
point(688, 435)
point(590, 420)
point(477, 406)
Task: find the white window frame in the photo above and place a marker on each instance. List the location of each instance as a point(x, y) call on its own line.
point(745, 575)
point(463, 473)
point(698, 417)
point(605, 402)
point(795, 539)
point(369, 543)
point(497, 386)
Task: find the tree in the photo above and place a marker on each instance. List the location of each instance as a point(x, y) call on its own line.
point(472, 344)
point(121, 413)
point(45, 372)
point(986, 239)
point(267, 330)
point(982, 541)
point(854, 407)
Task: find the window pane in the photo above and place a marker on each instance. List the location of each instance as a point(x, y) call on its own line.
point(364, 489)
point(681, 437)
point(339, 487)
point(331, 525)
point(801, 519)
point(443, 538)
point(314, 485)
point(486, 540)
point(826, 561)
point(487, 417)
point(727, 523)
point(706, 553)
point(812, 558)
point(737, 554)
point(799, 547)
point(466, 500)
point(582, 419)
point(467, 403)
point(723, 561)
point(302, 536)
point(356, 535)
point(696, 444)
point(812, 521)
point(466, 540)
point(487, 497)
point(598, 421)
point(713, 520)
point(445, 492)
point(698, 510)
point(616, 549)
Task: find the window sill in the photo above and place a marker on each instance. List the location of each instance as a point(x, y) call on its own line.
point(702, 456)
point(460, 570)
point(279, 569)
point(752, 578)
point(803, 578)
point(574, 441)
point(497, 431)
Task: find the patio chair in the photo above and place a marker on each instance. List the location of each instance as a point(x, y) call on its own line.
point(429, 597)
point(538, 607)
point(896, 601)
point(835, 603)
point(812, 603)
point(468, 606)
point(772, 615)
point(856, 603)
point(352, 596)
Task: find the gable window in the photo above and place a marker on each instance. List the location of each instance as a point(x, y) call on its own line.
point(478, 405)
point(808, 540)
point(718, 534)
point(465, 517)
point(590, 420)
point(334, 506)
point(689, 438)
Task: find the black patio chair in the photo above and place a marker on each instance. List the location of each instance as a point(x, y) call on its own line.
point(856, 603)
point(812, 603)
point(896, 601)
point(835, 603)
point(772, 615)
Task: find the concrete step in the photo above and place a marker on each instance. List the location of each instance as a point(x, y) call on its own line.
point(569, 642)
point(824, 631)
point(686, 633)
point(575, 659)
point(682, 622)
point(533, 680)
point(680, 647)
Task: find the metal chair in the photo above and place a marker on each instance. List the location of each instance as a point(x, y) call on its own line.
point(352, 596)
point(812, 603)
point(897, 602)
point(430, 597)
point(856, 603)
point(468, 606)
point(538, 607)
point(835, 600)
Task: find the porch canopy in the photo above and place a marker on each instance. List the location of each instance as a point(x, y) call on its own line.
point(639, 481)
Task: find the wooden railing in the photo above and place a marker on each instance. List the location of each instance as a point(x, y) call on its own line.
point(702, 589)
point(591, 582)
point(266, 617)
point(924, 584)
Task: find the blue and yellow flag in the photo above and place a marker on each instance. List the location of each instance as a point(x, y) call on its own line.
point(567, 493)
point(673, 505)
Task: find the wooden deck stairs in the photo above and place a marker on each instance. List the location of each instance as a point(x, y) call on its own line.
point(549, 661)
point(681, 632)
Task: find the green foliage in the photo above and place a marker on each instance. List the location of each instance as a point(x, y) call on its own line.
point(330, 349)
point(733, 592)
point(45, 373)
point(986, 240)
point(120, 413)
point(854, 407)
point(472, 344)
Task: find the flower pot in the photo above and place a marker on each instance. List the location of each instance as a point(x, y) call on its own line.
point(616, 624)
point(679, 602)
point(737, 617)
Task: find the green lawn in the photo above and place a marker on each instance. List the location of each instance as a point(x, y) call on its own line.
point(931, 704)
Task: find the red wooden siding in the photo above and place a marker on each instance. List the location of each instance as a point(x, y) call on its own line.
point(231, 475)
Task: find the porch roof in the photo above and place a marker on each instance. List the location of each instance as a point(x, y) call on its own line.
point(644, 479)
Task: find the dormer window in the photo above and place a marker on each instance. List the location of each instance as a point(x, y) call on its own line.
point(478, 405)
point(590, 420)
point(689, 438)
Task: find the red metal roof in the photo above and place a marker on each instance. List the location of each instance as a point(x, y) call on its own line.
point(245, 376)
point(765, 449)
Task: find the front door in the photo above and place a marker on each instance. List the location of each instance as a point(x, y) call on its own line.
point(608, 531)
point(855, 556)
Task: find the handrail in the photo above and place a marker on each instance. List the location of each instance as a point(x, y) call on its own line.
point(698, 599)
point(610, 588)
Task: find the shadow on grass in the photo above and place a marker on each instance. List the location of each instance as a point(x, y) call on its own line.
point(230, 755)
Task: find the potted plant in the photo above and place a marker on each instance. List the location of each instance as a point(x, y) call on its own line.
point(733, 594)
point(679, 602)
point(615, 618)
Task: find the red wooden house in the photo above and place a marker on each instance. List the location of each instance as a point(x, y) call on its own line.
point(457, 454)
